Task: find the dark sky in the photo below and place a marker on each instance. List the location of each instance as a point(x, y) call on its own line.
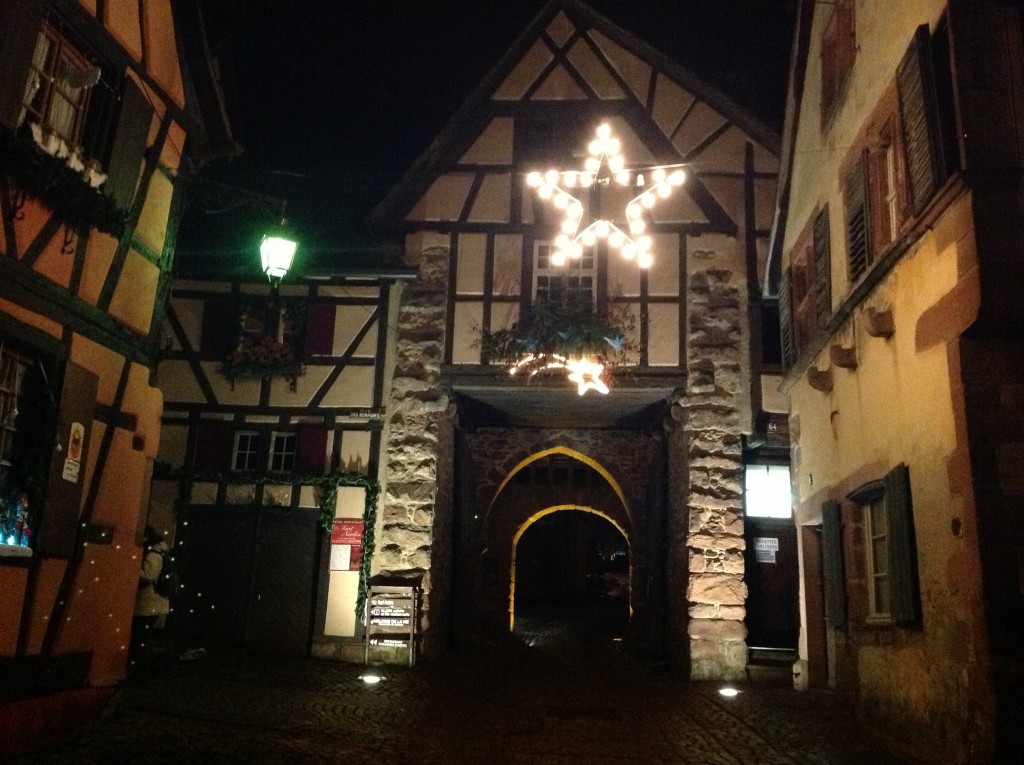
point(336, 98)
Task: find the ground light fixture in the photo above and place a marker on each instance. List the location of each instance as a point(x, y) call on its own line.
point(371, 677)
point(728, 692)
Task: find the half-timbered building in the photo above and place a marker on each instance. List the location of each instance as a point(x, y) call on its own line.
point(103, 106)
point(495, 435)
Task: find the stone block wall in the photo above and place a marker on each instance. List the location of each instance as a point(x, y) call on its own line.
point(416, 487)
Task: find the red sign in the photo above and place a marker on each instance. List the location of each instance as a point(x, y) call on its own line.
point(347, 531)
point(357, 558)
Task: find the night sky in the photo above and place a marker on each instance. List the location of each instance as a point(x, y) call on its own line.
point(334, 99)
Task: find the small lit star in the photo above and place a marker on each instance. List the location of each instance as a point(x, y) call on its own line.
point(587, 375)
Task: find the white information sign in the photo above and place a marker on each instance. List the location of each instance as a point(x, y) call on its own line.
point(765, 549)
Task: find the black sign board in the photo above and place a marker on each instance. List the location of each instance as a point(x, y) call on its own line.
point(391, 622)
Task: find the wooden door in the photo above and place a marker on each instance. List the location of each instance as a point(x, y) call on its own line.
point(248, 579)
point(772, 576)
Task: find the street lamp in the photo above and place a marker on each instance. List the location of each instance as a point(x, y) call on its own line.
point(276, 252)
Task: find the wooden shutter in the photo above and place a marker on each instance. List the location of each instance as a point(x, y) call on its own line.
point(786, 319)
point(832, 561)
point(319, 338)
point(215, 442)
point(902, 545)
point(311, 449)
point(129, 146)
point(219, 334)
point(59, 523)
point(822, 269)
point(918, 112)
point(858, 240)
point(20, 24)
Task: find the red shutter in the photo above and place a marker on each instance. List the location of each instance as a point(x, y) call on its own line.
point(822, 268)
point(319, 330)
point(219, 335)
point(215, 442)
point(311, 449)
point(786, 320)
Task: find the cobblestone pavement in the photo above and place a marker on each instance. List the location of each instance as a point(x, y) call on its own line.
point(550, 697)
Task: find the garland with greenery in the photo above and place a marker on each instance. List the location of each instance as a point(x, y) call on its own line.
point(326, 486)
point(50, 180)
point(570, 329)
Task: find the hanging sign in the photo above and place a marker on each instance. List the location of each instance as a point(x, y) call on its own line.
point(347, 531)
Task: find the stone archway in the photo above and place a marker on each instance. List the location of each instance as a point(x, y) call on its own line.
point(527, 524)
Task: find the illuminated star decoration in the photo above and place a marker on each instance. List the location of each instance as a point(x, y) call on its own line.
point(587, 375)
point(604, 164)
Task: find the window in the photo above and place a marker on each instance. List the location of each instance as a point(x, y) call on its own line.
point(246, 452)
point(838, 48)
point(767, 492)
point(876, 533)
point(574, 282)
point(57, 91)
point(890, 551)
point(13, 368)
point(282, 453)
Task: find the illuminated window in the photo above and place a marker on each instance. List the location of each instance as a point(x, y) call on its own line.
point(574, 282)
point(57, 91)
point(282, 452)
point(767, 492)
point(247, 447)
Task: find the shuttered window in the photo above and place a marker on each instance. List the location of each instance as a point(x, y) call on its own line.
point(805, 290)
point(890, 548)
point(858, 240)
point(822, 269)
point(786, 320)
point(918, 110)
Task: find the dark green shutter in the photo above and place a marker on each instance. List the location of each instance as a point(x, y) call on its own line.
point(832, 562)
point(822, 269)
point(129, 147)
point(902, 545)
point(20, 24)
point(858, 239)
point(919, 116)
point(786, 320)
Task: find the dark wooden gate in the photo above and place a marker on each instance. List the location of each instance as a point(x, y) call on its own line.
point(772, 577)
point(248, 579)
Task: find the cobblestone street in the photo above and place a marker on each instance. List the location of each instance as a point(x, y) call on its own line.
point(548, 695)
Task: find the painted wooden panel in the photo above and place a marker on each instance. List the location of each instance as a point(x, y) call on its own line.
point(764, 202)
point(354, 451)
point(671, 101)
point(101, 361)
point(240, 494)
point(492, 200)
point(161, 49)
point(525, 73)
point(466, 343)
point(663, 335)
point(54, 263)
point(306, 386)
point(244, 390)
point(634, 71)
point(445, 198)
point(728, 192)
point(596, 73)
point(133, 299)
point(472, 259)
point(277, 495)
point(99, 256)
point(354, 387)
point(342, 591)
point(152, 228)
point(204, 493)
point(727, 152)
point(494, 146)
point(123, 23)
point(508, 264)
point(121, 490)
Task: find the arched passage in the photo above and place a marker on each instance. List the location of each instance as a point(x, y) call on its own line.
point(569, 565)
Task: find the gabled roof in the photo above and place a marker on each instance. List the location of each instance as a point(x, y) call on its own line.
point(478, 108)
